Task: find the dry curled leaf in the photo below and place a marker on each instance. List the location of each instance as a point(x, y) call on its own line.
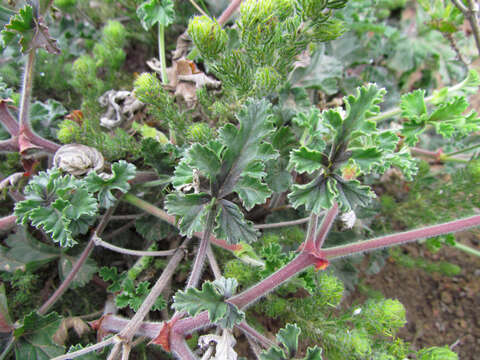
point(121, 106)
point(42, 38)
point(74, 323)
point(223, 345)
point(11, 181)
point(185, 79)
point(77, 159)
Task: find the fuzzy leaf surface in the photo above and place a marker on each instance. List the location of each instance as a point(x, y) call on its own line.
point(22, 24)
point(122, 172)
point(191, 208)
point(252, 191)
point(231, 224)
point(243, 144)
point(306, 160)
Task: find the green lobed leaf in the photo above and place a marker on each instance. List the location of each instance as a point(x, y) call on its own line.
point(46, 116)
point(231, 224)
point(34, 338)
point(314, 353)
point(59, 204)
point(413, 105)
point(195, 301)
point(22, 24)
point(84, 275)
point(352, 194)
point(242, 145)
point(358, 108)
point(191, 208)
point(205, 160)
point(211, 298)
point(53, 223)
point(317, 195)
point(153, 12)
point(27, 253)
point(288, 336)
point(252, 191)
point(306, 160)
point(122, 172)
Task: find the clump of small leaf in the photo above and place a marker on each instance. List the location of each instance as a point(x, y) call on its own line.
point(288, 338)
point(104, 184)
point(337, 146)
point(437, 353)
point(232, 164)
point(61, 205)
point(212, 299)
point(447, 118)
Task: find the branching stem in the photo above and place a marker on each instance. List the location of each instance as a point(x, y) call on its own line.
point(76, 268)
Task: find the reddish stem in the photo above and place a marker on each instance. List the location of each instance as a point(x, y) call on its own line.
point(229, 11)
point(10, 145)
point(7, 119)
point(7, 222)
point(300, 263)
point(395, 239)
point(327, 222)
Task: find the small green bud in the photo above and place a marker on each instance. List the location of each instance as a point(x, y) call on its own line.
point(200, 132)
point(330, 288)
point(358, 342)
point(437, 353)
point(266, 80)
point(384, 316)
point(147, 88)
point(67, 131)
point(473, 169)
point(208, 36)
point(114, 34)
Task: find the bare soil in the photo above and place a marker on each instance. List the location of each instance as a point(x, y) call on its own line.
point(441, 310)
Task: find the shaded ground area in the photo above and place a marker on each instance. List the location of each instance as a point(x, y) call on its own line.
point(441, 310)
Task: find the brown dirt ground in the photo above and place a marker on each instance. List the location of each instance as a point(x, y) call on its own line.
point(441, 310)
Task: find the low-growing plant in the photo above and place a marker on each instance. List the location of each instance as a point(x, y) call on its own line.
point(262, 149)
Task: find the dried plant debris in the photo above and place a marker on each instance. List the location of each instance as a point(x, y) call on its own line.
point(77, 159)
point(185, 79)
point(121, 107)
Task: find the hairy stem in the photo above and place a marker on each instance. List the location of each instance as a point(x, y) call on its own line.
point(202, 251)
point(99, 242)
point(217, 273)
point(26, 91)
point(227, 13)
point(255, 335)
point(161, 53)
point(400, 238)
point(7, 119)
point(129, 331)
point(7, 222)
point(88, 349)
point(76, 268)
point(297, 265)
point(325, 226)
point(282, 224)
